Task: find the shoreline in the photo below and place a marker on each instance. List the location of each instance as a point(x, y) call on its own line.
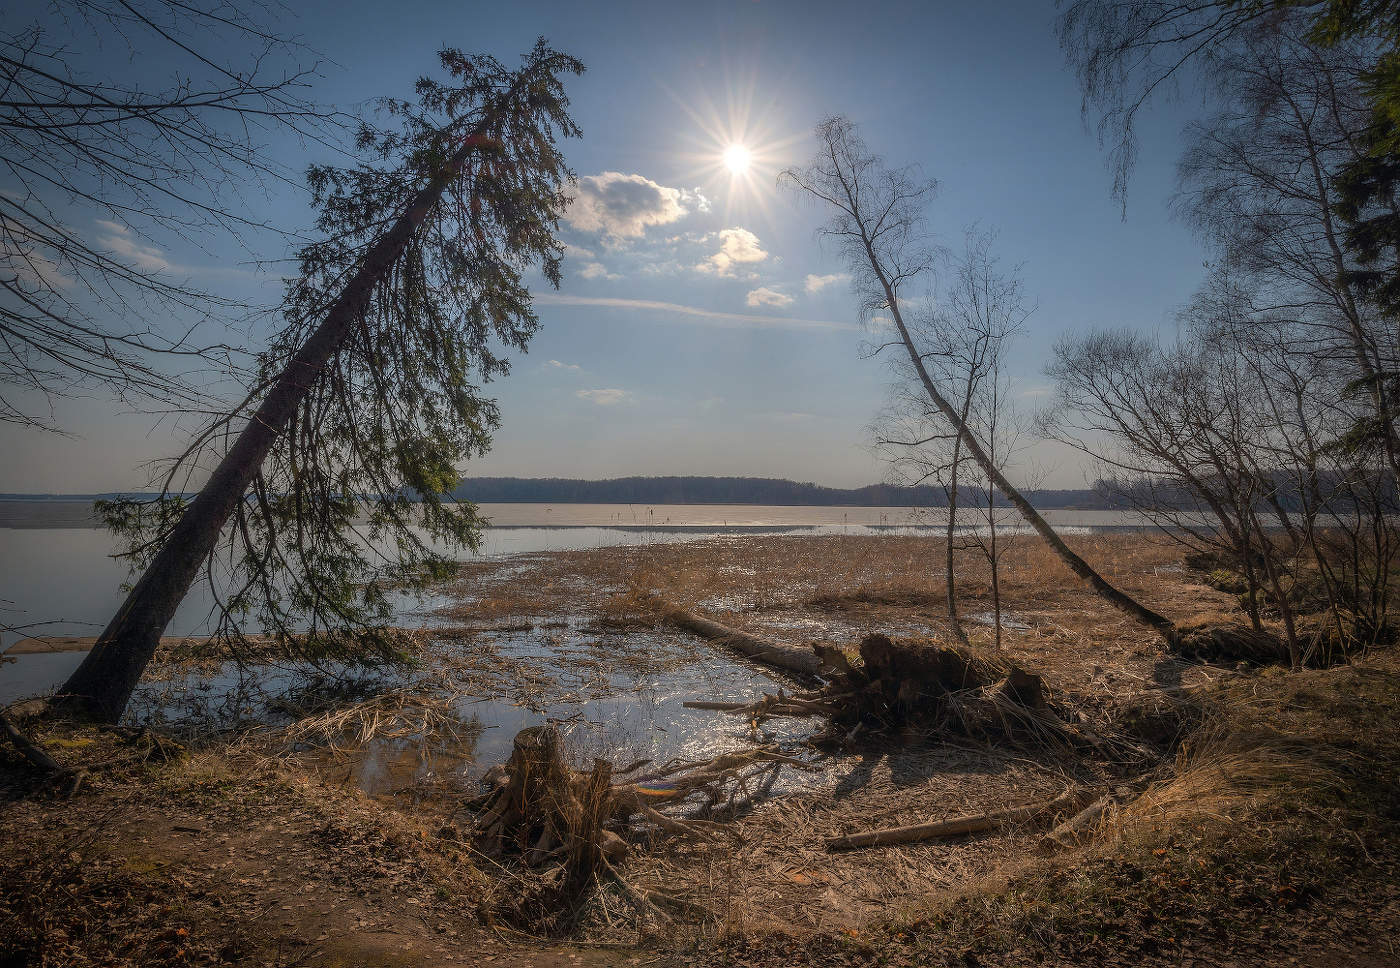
point(660, 518)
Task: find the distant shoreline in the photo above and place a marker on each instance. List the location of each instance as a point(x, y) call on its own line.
point(737, 519)
point(691, 491)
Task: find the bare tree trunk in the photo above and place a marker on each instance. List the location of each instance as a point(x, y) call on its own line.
point(102, 685)
point(950, 580)
point(996, 567)
point(871, 219)
point(1101, 586)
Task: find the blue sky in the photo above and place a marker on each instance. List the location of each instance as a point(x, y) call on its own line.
point(701, 328)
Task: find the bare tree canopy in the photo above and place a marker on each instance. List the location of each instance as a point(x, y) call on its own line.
point(964, 330)
point(876, 217)
point(102, 155)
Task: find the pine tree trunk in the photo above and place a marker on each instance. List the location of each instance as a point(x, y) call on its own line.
point(102, 685)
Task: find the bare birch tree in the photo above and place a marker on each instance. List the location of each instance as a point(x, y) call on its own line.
point(964, 331)
point(877, 221)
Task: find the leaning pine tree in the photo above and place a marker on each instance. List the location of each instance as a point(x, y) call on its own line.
point(329, 492)
point(876, 219)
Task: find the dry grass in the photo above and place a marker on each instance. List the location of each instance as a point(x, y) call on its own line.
point(839, 588)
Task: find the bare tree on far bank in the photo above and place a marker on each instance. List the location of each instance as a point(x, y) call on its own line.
point(877, 219)
point(331, 488)
point(103, 168)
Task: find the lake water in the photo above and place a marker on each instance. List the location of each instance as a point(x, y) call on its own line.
point(618, 695)
point(58, 575)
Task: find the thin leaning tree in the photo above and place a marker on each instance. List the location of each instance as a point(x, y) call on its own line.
point(329, 492)
point(877, 220)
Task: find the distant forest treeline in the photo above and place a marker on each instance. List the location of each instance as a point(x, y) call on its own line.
point(732, 490)
point(687, 490)
point(1104, 496)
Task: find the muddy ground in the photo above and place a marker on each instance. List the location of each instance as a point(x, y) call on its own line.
point(263, 846)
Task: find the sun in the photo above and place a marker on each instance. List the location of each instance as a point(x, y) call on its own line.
point(737, 159)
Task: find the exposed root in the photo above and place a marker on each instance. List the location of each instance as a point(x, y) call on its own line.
point(563, 824)
point(1211, 642)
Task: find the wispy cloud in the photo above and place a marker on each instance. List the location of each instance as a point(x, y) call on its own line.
point(557, 365)
point(818, 283)
point(763, 296)
point(605, 397)
point(125, 245)
point(696, 312)
point(122, 241)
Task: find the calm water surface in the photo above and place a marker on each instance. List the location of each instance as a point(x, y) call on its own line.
point(58, 576)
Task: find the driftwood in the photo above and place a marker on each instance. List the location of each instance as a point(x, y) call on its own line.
point(1078, 828)
point(1067, 802)
point(31, 751)
point(803, 704)
point(780, 655)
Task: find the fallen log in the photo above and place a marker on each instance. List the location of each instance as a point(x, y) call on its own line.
point(1078, 828)
point(1068, 802)
point(777, 654)
point(30, 750)
point(802, 706)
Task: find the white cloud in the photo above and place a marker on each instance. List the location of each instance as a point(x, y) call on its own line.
point(763, 296)
point(737, 247)
point(596, 270)
point(621, 206)
point(556, 365)
point(818, 283)
point(33, 270)
point(607, 397)
point(125, 245)
point(709, 315)
point(122, 241)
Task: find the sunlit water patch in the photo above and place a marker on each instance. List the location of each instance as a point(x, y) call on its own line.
point(613, 695)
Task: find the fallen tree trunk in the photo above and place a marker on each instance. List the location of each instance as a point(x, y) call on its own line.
point(31, 751)
point(777, 654)
point(1067, 802)
point(1078, 828)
